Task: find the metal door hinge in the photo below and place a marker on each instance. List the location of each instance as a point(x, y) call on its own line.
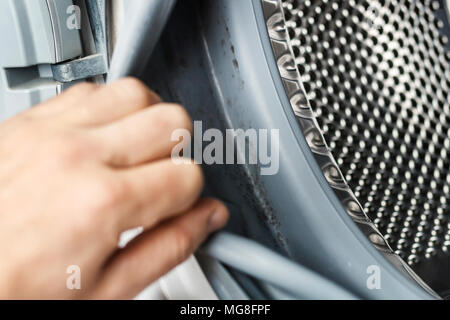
point(83, 68)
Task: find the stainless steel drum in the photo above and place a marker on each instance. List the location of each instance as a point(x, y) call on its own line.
point(377, 76)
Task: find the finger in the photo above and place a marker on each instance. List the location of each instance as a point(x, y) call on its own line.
point(159, 191)
point(71, 98)
point(156, 252)
point(143, 136)
point(112, 102)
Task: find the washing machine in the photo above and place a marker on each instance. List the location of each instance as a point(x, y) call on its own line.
point(357, 91)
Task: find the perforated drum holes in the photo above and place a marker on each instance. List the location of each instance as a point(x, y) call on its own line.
point(377, 74)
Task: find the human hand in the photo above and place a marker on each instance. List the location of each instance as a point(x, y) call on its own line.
point(77, 171)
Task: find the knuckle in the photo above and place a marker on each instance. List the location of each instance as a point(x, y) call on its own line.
point(81, 225)
point(187, 179)
point(106, 194)
point(97, 205)
point(193, 177)
point(134, 90)
point(177, 116)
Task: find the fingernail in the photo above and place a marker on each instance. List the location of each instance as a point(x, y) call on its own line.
point(217, 220)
